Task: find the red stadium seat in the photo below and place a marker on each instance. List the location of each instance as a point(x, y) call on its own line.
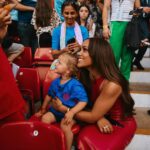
point(28, 78)
point(50, 76)
point(31, 136)
point(43, 57)
point(42, 61)
point(75, 128)
point(43, 54)
point(42, 70)
point(25, 59)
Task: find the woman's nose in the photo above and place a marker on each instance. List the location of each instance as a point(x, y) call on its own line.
point(79, 53)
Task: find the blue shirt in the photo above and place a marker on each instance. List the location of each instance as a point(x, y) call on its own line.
point(69, 34)
point(70, 93)
point(58, 5)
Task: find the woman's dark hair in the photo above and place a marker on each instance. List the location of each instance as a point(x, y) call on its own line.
point(78, 19)
point(69, 3)
point(43, 13)
point(103, 60)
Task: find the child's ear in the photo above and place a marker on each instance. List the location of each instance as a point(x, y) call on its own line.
point(68, 71)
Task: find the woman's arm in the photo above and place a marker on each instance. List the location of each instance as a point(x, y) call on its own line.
point(108, 96)
point(70, 113)
point(22, 7)
point(137, 4)
point(100, 5)
point(146, 9)
point(106, 8)
point(5, 20)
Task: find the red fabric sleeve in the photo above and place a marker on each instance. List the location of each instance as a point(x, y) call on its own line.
point(11, 100)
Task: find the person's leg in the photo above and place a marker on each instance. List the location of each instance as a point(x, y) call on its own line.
point(118, 45)
point(126, 61)
point(116, 40)
point(14, 51)
point(139, 56)
point(24, 34)
point(48, 118)
point(27, 36)
point(33, 39)
point(144, 28)
point(68, 133)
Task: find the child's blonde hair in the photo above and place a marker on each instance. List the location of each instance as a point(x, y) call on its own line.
point(71, 62)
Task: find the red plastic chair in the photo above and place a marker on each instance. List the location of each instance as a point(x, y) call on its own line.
point(75, 128)
point(25, 59)
point(43, 54)
point(43, 57)
point(28, 78)
point(31, 136)
point(50, 76)
point(42, 71)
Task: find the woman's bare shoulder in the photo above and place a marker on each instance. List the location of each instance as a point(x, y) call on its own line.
point(111, 87)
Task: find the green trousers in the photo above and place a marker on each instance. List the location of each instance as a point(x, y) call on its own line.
point(122, 55)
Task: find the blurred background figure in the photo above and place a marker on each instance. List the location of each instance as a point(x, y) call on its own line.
point(85, 19)
point(45, 19)
point(26, 30)
point(145, 26)
point(96, 8)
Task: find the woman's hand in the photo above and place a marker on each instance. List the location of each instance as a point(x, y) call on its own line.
point(5, 19)
point(146, 9)
point(68, 117)
point(74, 47)
point(104, 125)
point(106, 33)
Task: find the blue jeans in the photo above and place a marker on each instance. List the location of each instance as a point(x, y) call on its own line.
point(27, 35)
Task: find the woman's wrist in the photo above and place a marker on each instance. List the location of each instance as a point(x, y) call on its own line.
point(68, 109)
point(105, 27)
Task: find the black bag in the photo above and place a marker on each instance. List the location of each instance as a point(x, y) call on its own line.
point(133, 34)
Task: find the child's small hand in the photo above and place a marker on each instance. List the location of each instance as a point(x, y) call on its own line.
point(104, 125)
point(74, 48)
point(56, 103)
point(68, 117)
point(40, 113)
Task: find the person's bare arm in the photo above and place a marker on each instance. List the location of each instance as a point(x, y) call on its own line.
point(5, 20)
point(137, 4)
point(70, 113)
point(43, 109)
point(146, 9)
point(100, 5)
point(106, 8)
point(21, 7)
point(103, 103)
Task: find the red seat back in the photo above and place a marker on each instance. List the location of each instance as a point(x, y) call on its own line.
point(31, 136)
point(43, 54)
point(28, 78)
point(25, 59)
point(50, 76)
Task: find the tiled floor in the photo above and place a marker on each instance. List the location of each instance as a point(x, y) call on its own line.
point(142, 117)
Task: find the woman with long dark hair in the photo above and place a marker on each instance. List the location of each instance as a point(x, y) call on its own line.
point(111, 104)
point(45, 19)
point(110, 98)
